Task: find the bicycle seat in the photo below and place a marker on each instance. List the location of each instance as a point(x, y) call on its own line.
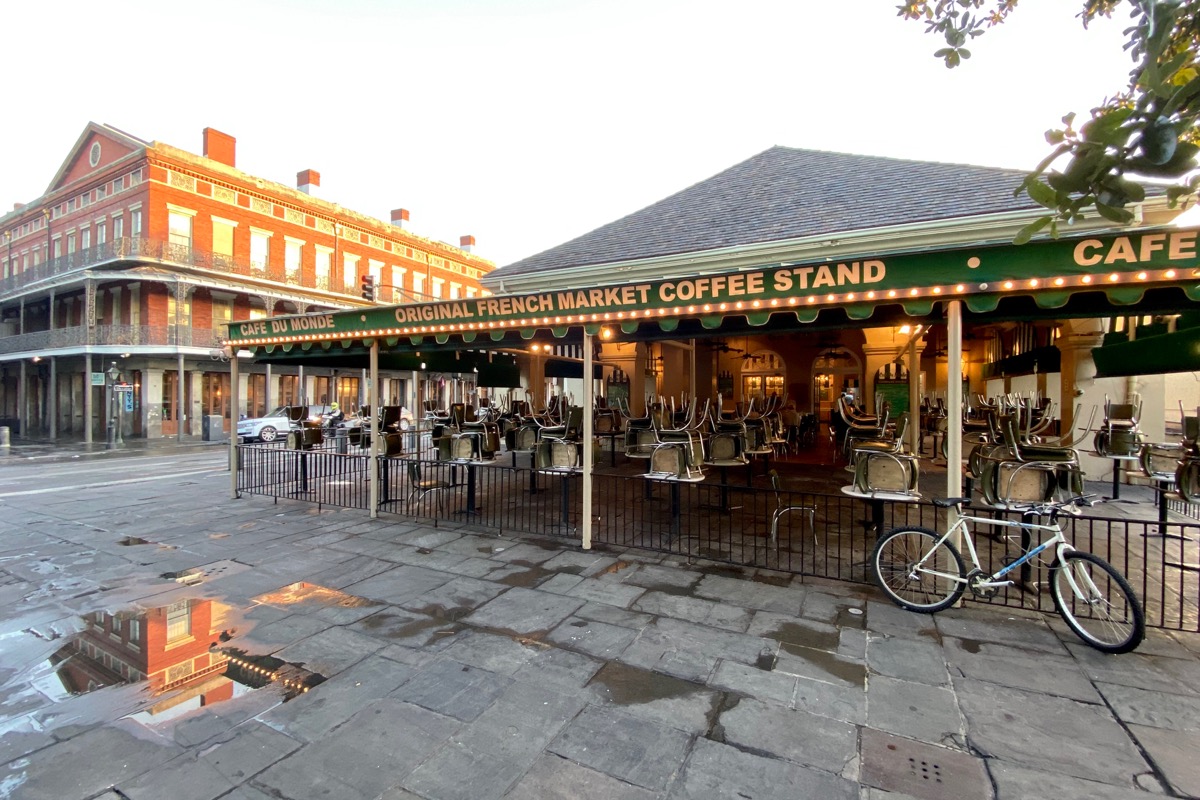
point(950, 502)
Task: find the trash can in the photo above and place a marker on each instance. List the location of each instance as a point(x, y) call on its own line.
point(212, 428)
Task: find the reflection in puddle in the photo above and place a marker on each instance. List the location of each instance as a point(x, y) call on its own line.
point(178, 653)
point(302, 592)
point(624, 685)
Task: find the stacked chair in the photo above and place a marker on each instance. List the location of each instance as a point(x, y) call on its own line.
point(679, 451)
point(883, 465)
point(1022, 470)
point(1119, 434)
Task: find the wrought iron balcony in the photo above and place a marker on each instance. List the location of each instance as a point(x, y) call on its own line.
point(130, 249)
point(122, 335)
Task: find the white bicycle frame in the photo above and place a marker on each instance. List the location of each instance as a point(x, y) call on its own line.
point(1063, 547)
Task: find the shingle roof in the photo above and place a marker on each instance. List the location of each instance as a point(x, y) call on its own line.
point(785, 193)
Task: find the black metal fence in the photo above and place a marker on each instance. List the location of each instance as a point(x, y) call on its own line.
point(807, 533)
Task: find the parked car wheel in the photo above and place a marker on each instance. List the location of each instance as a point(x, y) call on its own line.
point(267, 434)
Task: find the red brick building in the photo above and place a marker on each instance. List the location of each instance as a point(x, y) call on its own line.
point(139, 254)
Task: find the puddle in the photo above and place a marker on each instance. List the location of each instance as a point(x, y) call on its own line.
point(177, 658)
point(850, 617)
point(971, 646)
point(796, 634)
point(829, 663)
point(773, 580)
point(399, 626)
point(528, 578)
point(303, 592)
point(667, 588)
point(766, 659)
point(625, 685)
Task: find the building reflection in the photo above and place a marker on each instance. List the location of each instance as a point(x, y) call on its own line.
point(181, 651)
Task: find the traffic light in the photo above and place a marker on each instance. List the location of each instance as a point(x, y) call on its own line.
point(368, 287)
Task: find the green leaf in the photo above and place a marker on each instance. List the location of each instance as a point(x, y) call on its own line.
point(1042, 194)
point(1106, 127)
point(1113, 214)
point(1055, 136)
point(1025, 234)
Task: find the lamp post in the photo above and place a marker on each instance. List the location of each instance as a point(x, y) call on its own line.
point(113, 412)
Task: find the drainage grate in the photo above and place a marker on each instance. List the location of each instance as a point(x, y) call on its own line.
point(921, 770)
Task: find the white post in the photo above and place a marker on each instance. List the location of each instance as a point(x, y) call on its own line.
point(954, 401)
point(373, 458)
point(235, 403)
point(914, 398)
point(589, 392)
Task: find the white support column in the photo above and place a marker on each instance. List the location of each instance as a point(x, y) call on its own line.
point(954, 401)
point(914, 398)
point(180, 410)
point(589, 404)
point(373, 402)
point(235, 402)
point(87, 398)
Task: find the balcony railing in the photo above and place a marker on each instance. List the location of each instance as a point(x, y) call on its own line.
point(153, 249)
point(123, 335)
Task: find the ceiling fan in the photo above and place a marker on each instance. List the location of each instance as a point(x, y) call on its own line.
point(722, 346)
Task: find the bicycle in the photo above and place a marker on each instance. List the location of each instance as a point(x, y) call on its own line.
point(921, 570)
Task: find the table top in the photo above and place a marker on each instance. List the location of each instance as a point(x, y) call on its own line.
point(891, 497)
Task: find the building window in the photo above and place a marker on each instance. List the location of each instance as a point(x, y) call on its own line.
point(324, 264)
point(179, 620)
point(260, 248)
point(455, 291)
point(185, 312)
point(437, 287)
point(179, 228)
point(135, 633)
point(292, 251)
point(135, 223)
point(418, 287)
point(222, 237)
point(101, 230)
point(85, 238)
point(118, 225)
point(350, 272)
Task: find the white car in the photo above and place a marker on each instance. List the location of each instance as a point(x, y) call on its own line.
point(270, 427)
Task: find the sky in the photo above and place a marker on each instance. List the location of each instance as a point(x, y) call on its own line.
point(526, 123)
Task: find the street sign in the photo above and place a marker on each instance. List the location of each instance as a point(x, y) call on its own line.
point(129, 401)
point(97, 379)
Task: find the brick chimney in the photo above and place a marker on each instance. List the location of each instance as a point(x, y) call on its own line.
point(220, 147)
point(308, 181)
point(400, 217)
point(466, 243)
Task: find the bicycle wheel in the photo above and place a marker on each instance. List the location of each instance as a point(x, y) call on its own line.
point(930, 588)
point(1097, 603)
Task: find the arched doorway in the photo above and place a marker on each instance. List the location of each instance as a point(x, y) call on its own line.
point(834, 370)
point(763, 375)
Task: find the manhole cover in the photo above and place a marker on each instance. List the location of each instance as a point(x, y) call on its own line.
point(921, 770)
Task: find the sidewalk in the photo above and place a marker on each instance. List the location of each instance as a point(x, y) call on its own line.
point(465, 666)
point(45, 450)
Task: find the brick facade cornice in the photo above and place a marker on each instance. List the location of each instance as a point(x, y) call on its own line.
point(218, 174)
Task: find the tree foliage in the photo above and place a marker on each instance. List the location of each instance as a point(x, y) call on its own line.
point(1151, 128)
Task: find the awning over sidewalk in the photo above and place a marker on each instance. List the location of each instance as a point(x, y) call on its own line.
point(1120, 268)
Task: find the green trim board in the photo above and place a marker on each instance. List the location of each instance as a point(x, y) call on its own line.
point(1121, 265)
point(1150, 355)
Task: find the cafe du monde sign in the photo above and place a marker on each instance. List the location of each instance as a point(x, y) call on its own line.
point(1057, 268)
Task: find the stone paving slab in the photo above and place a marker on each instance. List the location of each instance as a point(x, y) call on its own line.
point(716, 771)
point(1049, 733)
point(630, 749)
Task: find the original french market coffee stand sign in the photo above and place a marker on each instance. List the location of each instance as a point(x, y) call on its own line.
point(1122, 266)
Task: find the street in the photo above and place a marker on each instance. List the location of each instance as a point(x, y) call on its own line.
point(159, 639)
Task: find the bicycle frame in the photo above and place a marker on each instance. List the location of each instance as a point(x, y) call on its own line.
point(993, 580)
